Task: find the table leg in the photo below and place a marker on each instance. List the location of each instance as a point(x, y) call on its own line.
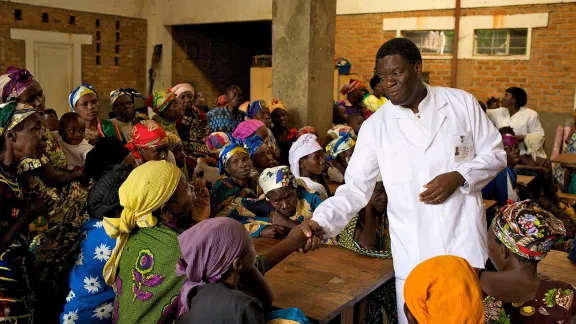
point(362, 310)
point(566, 184)
point(347, 316)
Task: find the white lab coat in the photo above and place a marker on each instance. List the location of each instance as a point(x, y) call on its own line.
point(524, 122)
point(409, 152)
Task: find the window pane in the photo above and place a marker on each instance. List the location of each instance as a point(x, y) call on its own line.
point(500, 41)
point(431, 41)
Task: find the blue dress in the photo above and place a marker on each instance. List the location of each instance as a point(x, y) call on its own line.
point(221, 120)
point(90, 300)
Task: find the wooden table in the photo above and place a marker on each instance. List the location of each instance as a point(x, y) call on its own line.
point(556, 266)
point(568, 161)
point(326, 282)
point(524, 180)
point(489, 204)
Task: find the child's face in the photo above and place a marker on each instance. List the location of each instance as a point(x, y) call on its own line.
point(512, 155)
point(356, 123)
point(74, 131)
point(284, 200)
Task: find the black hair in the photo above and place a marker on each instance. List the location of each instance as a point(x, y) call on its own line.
point(107, 152)
point(352, 116)
point(374, 82)
point(233, 87)
point(400, 46)
point(491, 100)
point(507, 130)
point(50, 111)
point(519, 94)
point(103, 199)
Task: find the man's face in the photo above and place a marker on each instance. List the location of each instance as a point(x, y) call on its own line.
point(399, 78)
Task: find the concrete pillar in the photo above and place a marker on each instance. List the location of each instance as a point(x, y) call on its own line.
point(303, 36)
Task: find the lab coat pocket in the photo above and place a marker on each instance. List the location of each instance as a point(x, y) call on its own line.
point(398, 168)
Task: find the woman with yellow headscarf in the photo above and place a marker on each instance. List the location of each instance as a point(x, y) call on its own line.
point(157, 203)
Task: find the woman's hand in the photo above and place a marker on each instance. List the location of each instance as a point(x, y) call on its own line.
point(201, 209)
point(278, 220)
point(271, 231)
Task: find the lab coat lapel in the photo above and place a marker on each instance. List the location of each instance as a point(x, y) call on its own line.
point(436, 117)
point(411, 133)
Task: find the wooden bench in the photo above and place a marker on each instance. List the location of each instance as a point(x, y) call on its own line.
point(569, 199)
point(524, 180)
point(325, 283)
point(557, 266)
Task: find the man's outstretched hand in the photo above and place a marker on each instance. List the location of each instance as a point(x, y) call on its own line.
point(315, 234)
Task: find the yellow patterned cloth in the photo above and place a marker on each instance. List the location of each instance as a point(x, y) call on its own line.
point(147, 188)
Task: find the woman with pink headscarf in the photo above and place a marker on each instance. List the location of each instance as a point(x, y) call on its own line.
point(217, 254)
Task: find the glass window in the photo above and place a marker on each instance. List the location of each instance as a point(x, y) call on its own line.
point(431, 42)
point(498, 42)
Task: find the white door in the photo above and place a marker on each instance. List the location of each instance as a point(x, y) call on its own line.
point(54, 70)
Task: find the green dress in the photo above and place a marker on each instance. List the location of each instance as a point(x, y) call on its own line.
point(147, 286)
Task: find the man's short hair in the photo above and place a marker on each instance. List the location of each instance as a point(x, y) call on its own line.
point(400, 46)
point(519, 94)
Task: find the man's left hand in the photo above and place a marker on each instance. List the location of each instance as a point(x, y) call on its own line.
point(441, 188)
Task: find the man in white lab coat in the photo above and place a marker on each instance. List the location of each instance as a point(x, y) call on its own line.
point(436, 150)
point(523, 120)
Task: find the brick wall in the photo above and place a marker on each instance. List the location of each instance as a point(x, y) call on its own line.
point(224, 55)
point(548, 77)
point(131, 68)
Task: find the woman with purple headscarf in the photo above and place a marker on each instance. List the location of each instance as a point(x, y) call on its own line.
point(217, 255)
point(503, 187)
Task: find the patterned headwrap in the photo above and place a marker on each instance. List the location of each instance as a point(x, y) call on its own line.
point(444, 289)
point(509, 140)
point(341, 130)
point(146, 134)
point(351, 86)
point(14, 82)
point(304, 145)
point(114, 95)
point(208, 250)
point(227, 152)
point(13, 113)
point(221, 101)
point(159, 101)
point(306, 130)
point(181, 88)
point(526, 229)
point(217, 140)
point(255, 106)
point(247, 128)
point(252, 143)
point(277, 177)
point(81, 91)
point(339, 145)
point(147, 188)
point(277, 104)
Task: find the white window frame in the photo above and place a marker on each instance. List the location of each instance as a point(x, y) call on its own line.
point(434, 30)
point(507, 42)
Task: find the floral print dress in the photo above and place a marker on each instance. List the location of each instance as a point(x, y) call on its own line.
point(554, 304)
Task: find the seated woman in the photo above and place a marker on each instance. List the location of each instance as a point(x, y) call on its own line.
point(502, 187)
point(207, 167)
point(163, 109)
point(21, 136)
point(251, 127)
point(443, 289)
point(225, 286)
point(157, 203)
point(235, 180)
point(339, 152)
point(520, 236)
point(84, 101)
point(122, 101)
point(259, 110)
point(107, 152)
point(260, 155)
point(307, 162)
point(354, 92)
point(288, 202)
point(337, 131)
point(284, 136)
point(307, 130)
point(95, 303)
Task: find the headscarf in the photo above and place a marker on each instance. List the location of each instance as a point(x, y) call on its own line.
point(227, 152)
point(252, 143)
point(341, 130)
point(351, 86)
point(221, 101)
point(208, 250)
point(509, 140)
point(255, 106)
point(217, 140)
point(277, 177)
point(535, 145)
point(159, 101)
point(147, 188)
point(247, 128)
point(444, 289)
point(107, 152)
point(339, 145)
point(304, 145)
point(526, 229)
point(114, 95)
point(13, 113)
point(146, 134)
point(14, 82)
point(81, 91)
point(181, 88)
point(277, 104)
point(103, 197)
point(306, 130)
point(244, 106)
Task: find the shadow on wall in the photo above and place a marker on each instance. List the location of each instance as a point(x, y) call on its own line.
point(213, 56)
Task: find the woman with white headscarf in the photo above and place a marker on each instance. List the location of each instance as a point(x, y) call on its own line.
point(307, 161)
